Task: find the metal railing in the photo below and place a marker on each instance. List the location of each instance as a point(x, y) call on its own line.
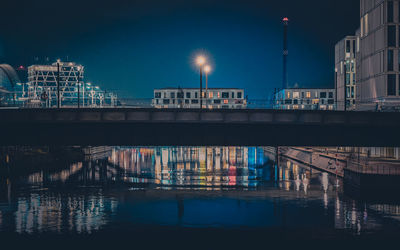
point(247, 104)
point(368, 165)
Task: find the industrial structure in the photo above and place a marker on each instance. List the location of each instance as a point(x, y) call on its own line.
point(285, 83)
point(65, 80)
point(305, 99)
point(214, 98)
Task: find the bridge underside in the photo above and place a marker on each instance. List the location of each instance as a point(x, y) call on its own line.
point(157, 128)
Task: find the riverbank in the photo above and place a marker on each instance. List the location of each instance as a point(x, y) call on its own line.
point(324, 161)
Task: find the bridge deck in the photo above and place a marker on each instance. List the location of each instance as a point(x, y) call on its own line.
point(198, 127)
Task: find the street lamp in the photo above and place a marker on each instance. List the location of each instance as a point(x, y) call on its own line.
point(201, 60)
point(58, 84)
point(207, 69)
point(79, 86)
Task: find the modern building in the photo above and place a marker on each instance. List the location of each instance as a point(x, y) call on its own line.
point(8, 84)
point(214, 98)
point(345, 73)
point(42, 88)
point(42, 83)
point(377, 58)
point(305, 99)
point(379, 55)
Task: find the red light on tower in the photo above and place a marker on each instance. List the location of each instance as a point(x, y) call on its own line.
point(285, 19)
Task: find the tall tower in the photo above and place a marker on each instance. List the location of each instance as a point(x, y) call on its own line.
point(285, 52)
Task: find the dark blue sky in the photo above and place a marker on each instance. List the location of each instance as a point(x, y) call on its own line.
point(136, 46)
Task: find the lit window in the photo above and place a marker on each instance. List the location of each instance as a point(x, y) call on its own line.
point(308, 94)
point(288, 95)
point(211, 95)
point(218, 95)
point(296, 95)
point(226, 101)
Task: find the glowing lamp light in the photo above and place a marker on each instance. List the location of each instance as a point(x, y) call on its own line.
point(207, 69)
point(201, 60)
point(285, 19)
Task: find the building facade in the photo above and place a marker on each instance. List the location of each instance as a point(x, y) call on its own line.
point(345, 73)
point(305, 99)
point(42, 83)
point(215, 98)
point(42, 90)
point(379, 55)
point(377, 58)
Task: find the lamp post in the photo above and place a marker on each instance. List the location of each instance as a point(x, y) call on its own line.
point(79, 87)
point(200, 62)
point(207, 70)
point(58, 84)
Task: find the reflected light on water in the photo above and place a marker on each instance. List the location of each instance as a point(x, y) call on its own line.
point(186, 186)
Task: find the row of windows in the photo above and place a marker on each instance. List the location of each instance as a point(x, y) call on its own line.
point(310, 107)
point(348, 80)
point(194, 101)
point(188, 95)
point(315, 101)
point(308, 95)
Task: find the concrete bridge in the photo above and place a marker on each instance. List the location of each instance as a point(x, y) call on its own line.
point(189, 127)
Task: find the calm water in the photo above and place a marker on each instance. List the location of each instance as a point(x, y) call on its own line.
point(171, 191)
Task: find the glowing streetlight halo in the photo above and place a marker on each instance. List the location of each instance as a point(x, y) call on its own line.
point(207, 68)
point(200, 60)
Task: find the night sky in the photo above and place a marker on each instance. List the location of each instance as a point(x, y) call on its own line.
point(134, 46)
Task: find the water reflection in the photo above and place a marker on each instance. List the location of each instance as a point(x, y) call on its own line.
point(40, 212)
point(197, 166)
point(186, 187)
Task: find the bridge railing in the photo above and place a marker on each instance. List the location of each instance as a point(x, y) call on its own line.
point(246, 104)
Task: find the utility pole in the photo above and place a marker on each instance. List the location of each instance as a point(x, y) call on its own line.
point(285, 52)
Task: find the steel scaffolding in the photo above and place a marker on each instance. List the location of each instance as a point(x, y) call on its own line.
point(42, 87)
